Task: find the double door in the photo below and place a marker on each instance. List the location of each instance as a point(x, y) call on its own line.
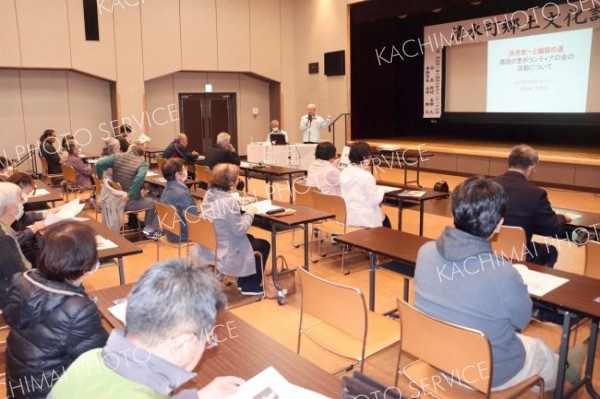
point(204, 115)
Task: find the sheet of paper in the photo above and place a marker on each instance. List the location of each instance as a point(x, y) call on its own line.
point(263, 206)
point(67, 211)
point(119, 311)
point(571, 215)
point(270, 384)
point(104, 243)
point(40, 192)
point(150, 174)
point(412, 193)
point(387, 189)
point(537, 283)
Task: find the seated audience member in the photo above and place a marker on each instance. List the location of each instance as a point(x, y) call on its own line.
point(129, 170)
point(124, 131)
point(176, 193)
point(222, 152)
point(52, 319)
point(171, 312)
point(458, 279)
point(178, 149)
point(323, 172)
point(12, 260)
point(111, 147)
point(83, 172)
point(235, 247)
point(49, 152)
point(4, 165)
point(276, 130)
point(528, 206)
point(360, 191)
point(64, 147)
point(30, 224)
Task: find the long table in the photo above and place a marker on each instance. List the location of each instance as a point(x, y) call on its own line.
point(244, 352)
point(268, 173)
point(577, 298)
point(54, 195)
point(124, 246)
point(398, 198)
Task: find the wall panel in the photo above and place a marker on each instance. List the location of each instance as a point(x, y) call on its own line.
point(198, 35)
point(265, 38)
point(10, 53)
point(161, 38)
point(233, 35)
point(12, 129)
point(89, 107)
point(160, 94)
point(44, 33)
point(93, 57)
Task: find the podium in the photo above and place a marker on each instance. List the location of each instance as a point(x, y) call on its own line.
point(297, 156)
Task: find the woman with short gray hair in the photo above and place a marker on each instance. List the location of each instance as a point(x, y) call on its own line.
point(12, 260)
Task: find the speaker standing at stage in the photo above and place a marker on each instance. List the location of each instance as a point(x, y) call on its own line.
point(311, 125)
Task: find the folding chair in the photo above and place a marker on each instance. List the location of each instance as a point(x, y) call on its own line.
point(336, 205)
point(336, 318)
point(446, 351)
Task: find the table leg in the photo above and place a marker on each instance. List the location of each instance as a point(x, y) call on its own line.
point(306, 244)
point(400, 214)
point(121, 271)
point(421, 212)
point(562, 356)
point(418, 170)
point(373, 269)
point(589, 368)
point(291, 191)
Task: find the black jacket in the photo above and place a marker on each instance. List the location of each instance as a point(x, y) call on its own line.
point(217, 154)
point(52, 324)
point(528, 207)
point(48, 151)
point(176, 150)
point(10, 263)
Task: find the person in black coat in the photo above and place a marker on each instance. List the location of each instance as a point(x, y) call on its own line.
point(49, 152)
point(222, 152)
point(52, 319)
point(528, 206)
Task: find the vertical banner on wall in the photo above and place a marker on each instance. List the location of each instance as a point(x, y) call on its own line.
point(548, 18)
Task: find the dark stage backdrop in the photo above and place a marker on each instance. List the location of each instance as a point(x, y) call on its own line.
point(387, 90)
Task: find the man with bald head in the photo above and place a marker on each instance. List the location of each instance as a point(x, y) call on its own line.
point(528, 206)
point(178, 149)
point(311, 124)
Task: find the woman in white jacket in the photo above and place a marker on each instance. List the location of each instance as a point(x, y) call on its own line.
point(360, 192)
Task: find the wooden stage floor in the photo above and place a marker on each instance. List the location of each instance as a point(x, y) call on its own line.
point(577, 155)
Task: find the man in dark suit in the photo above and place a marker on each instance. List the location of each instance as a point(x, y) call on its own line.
point(222, 152)
point(528, 206)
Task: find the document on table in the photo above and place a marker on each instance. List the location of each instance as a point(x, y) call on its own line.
point(412, 193)
point(263, 206)
point(119, 311)
point(150, 174)
point(571, 215)
point(68, 211)
point(539, 284)
point(270, 384)
point(39, 192)
point(104, 243)
point(387, 189)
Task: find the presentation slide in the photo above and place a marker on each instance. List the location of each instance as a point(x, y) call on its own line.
point(540, 73)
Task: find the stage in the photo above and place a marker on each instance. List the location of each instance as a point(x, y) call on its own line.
point(565, 167)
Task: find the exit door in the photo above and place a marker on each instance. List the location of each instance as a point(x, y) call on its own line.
point(204, 116)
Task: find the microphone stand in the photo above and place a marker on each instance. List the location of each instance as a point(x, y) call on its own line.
point(30, 155)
